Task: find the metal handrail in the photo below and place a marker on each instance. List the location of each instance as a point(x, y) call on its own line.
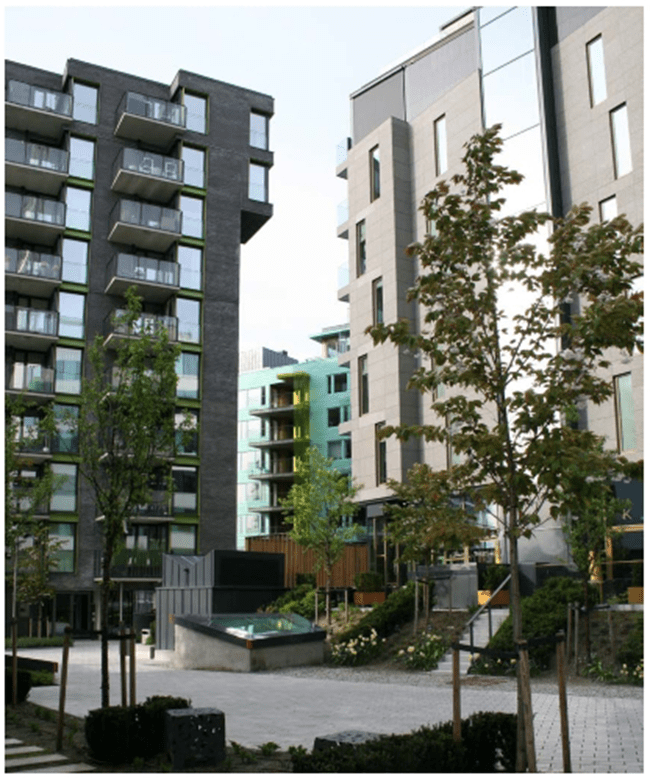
point(485, 605)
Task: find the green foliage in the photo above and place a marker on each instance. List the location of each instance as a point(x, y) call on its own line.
point(41, 678)
point(245, 754)
point(370, 581)
point(299, 600)
point(487, 745)
point(385, 618)
point(631, 652)
point(424, 652)
point(24, 685)
point(357, 651)
point(268, 749)
point(598, 671)
point(35, 727)
point(25, 642)
point(494, 576)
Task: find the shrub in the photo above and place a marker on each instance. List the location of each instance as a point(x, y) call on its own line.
point(25, 642)
point(357, 651)
point(299, 600)
point(24, 685)
point(369, 581)
point(631, 652)
point(494, 576)
point(41, 678)
point(385, 618)
point(425, 652)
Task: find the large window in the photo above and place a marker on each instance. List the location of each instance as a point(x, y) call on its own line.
point(625, 427)
point(189, 320)
point(339, 449)
point(75, 260)
point(68, 370)
point(64, 491)
point(186, 482)
point(621, 141)
point(361, 247)
point(380, 456)
point(608, 209)
point(258, 182)
point(82, 158)
point(259, 131)
point(65, 440)
point(336, 416)
point(194, 160)
point(85, 100)
point(187, 432)
point(364, 385)
point(375, 169)
point(63, 535)
point(197, 112)
point(377, 301)
point(187, 370)
point(71, 315)
point(77, 211)
point(337, 383)
point(192, 210)
point(190, 259)
point(440, 139)
point(596, 67)
point(182, 539)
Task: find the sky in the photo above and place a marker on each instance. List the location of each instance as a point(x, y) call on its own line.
point(309, 59)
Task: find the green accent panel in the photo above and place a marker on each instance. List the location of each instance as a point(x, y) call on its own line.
point(198, 243)
point(69, 286)
point(80, 234)
point(301, 416)
point(71, 342)
point(82, 183)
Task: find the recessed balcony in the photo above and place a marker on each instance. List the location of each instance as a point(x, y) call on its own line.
point(342, 217)
point(155, 279)
point(116, 326)
point(30, 329)
point(156, 122)
point(147, 175)
point(36, 449)
point(41, 111)
point(279, 471)
point(34, 219)
point(32, 380)
point(149, 227)
point(35, 167)
point(31, 272)
point(132, 564)
point(281, 437)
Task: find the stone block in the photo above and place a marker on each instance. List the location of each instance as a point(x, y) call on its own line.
point(195, 736)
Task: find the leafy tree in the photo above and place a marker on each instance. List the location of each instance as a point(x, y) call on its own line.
point(37, 559)
point(508, 391)
point(320, 498)
point(126, 432)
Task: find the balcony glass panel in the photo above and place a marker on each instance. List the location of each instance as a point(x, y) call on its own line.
point(40, 209)
point(30, 263)
point(32, 320)
point(343, 275)
point(342, 150)
point(155, 271)
point(145, 324)
point(36, 155)
point(31, 378)
point(147, 215)
point(151, 108)
point(37, 97)
point(342, 213)
point(149, 164)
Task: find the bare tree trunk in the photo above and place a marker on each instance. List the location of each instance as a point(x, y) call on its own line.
point(328, 606)
point(106, 581)
point(14, 630)
point(587, 620)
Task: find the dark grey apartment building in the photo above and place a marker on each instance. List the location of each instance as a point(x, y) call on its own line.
point(113, 181)
point(566, 84)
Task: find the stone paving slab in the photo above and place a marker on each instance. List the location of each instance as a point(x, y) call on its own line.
point(77, 767)
point(19, 750)
point(33, 761)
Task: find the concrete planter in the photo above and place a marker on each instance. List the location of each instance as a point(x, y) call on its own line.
point(635, 595)
point(502, 598)
point(369, 598)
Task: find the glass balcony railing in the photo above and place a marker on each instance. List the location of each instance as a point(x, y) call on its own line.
point(146, 269)
point(36, 97)
point(146, 324)
point(342, 213)
point(32, 320)
point(152, 108)
point(36, 155)
point(146, 215)
point(149, 164)
point(37, 444)
point(342, 150)
point(343, 275)
point(132, 563)
point(26, 262)
point(31, 378)
point(343, 344)
point(38, 209)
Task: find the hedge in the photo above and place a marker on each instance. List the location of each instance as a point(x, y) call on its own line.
point(386, 618)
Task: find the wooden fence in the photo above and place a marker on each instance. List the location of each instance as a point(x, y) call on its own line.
point(299, 560)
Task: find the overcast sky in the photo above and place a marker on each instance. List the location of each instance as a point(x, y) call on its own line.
point(309, 59)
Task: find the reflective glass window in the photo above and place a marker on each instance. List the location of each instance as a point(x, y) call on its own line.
point(77, 212)
point(66, 440)
point(182, 539)
point(82, 158)
point(608, 209)
point(624, 401)
point(194, 160)
point(489, 12)
point(64, 492)
point(523, 153)
point(192, 210)
point(71, 315)
point(196, 112)
point(68, 370)
point(186, 482)
point(187, 436)
point(621, 141)
point(63, 535)
point(85, 101)
point(190, 260)
point(258, 176)
point(380, 456)
point(596, 66)
point(189, 320)
point(378, 301)
point(440, 140)
point(361, 247)
point(75, 260)
point(506, 38)
point(259, 131)
point(187, 370)
point(364, 385)
point(510, 96)
point(337, 383)
point(375, 172)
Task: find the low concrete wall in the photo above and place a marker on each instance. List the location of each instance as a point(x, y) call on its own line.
point(196, 651)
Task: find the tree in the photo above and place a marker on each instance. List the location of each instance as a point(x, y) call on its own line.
point(508, 391)
point(37, 559)
point(126, 432)
point(320, 498)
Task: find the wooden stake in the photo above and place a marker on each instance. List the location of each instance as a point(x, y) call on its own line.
point(568, 632)
point(64, 681)
point(564, 715)
point(123, 663)
point(316, 604)
point(456, 699)
point(415, 615)
point(132, 668)
point(346, 604)
point(524, 670)
point(612, 639)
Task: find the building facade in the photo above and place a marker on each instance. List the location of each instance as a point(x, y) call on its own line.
point(285, 406)
point(115, 181)
point(566, 86)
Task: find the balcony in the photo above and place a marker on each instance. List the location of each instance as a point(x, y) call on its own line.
point(155, 279)
point(30, 329)
point(150, 176)
point(281, 437)
point(342, 157)
point(42, 111)
point(278, 471)
point(31, 273)
point(35, 381)
point(342, 216)
point(151, 324)
point(146, 226)
point(36, 167)
point(36, 449)
point(33, 219)
point(343, 283)
point(132, 564)
point(157, 122)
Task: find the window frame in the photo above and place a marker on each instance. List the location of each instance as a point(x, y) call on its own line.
point(364, 385)
point(381, 463)
point(375, 173)
point(596, 71)
point(254, 164)
point(620, 140)
point(440, 145)
point(361, 248)
point(624, 436)
point(378, 301)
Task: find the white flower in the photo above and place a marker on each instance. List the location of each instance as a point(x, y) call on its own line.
point(411, 649)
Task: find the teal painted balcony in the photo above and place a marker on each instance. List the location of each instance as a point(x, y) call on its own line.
point(147, 226)
point(149, 119)
point(31, 329)
point(35, 167)
point(44, 112)
point(155, 279)
point(33, 219)
point(147, 175)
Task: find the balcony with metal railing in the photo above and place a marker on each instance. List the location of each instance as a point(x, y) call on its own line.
point(31, 272)
point(42, 111)
point(33, 219)
point(34, 380)
point(31, 329)
point(35, 166)
point(132, 564)
point(36, 448)
point(155, 279)
point(117, 326)
point(147, 175)
point(147, 226)
point(157, 122)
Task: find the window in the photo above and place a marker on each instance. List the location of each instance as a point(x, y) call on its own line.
point(378, 301)
point(375, 189)
point(189, 320)
point(380, 455)
point(187, 370)
point(258, 177)
point(440, 141)
point(621, 141)
point(364, 387)
point(192, 210)
point(82, 158)
point(608, 209)
point(186, 481)
point(361, 247)
point(187, 432)
point(84, 103)
point(336, 416)
point(194, 160)
point(65, 440)
point(68, 370)
point(259, 131)
point(453, 458)
point(71, 315)
point(196, 112)
point(190, 259)
point(63, 534)
point(339, 449)
point(337, 383)
point(77, 211)
point(625, 427)
point(75, 260)
point(596, 68)
point(182, 539)
point(64, 492)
